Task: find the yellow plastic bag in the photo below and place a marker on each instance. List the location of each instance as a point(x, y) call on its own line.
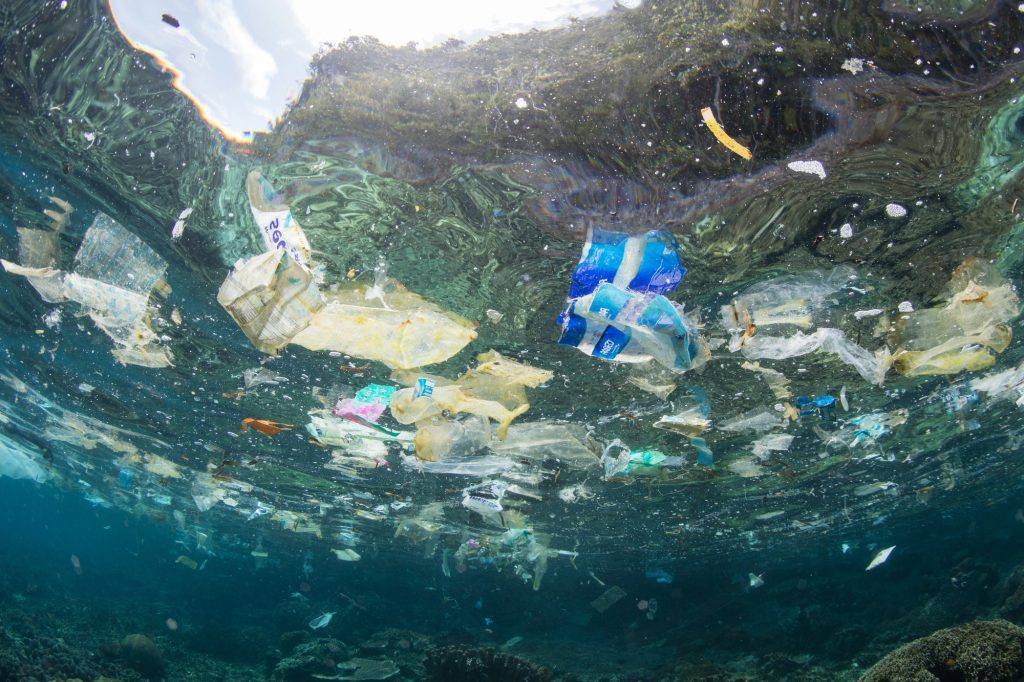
point(390, 324)
point(495, 389)
point(965, 332)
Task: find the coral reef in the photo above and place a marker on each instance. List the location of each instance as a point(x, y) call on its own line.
point(989, 651)
point(142, 654)
point(456, 663)
point(311, 660)
point(33, 657)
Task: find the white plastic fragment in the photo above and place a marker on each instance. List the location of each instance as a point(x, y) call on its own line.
point(905, 307)
point(773, 442)
point(854, 65)
point(1007, 384)
point(895, 211)
point(179, 224)
point(345, 555)
point(880, 558)
point(322, 620)
point(873, 312)
point(756, 580)
point(846, 231)
point(809, 167)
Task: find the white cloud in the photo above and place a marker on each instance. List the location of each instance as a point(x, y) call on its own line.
point(397, 22)
point(257, 65)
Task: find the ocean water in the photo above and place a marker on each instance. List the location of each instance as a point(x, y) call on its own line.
point(182, 498)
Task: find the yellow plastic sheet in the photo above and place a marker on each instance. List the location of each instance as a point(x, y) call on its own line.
point(390, 324)
point(965, 333)
point(495, 389)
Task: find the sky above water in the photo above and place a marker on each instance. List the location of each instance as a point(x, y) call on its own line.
point(241, 62)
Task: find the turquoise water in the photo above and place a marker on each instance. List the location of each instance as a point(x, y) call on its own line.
point(179, 502)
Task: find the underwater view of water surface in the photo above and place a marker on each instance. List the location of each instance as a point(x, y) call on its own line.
point(626, 341)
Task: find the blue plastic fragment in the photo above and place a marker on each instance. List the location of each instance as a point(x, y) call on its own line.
point(659, 575)
point(824, 406)
point(617, 297)
point(704, 455)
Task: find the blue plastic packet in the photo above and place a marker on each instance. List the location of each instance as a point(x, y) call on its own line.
point(616, 309)
point(617, 324)
point(824, 406)
point(647, 263)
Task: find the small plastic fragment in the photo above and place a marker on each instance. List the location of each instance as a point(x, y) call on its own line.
point(443, 439)
point(179, 224)
point(895, 210)
point(777, 381)
point(346, 554)
point(690, 422)
point(608, 599)
point(653, 378)
point(759, 420)
point(265, 426)
point(187, 562)
point(880, 558)
point(1007, 384)
point(824, 406)
point(722, 136)
point(809, 167)
point(321, 620)
point(368, 403)
point(786, 300)
point(775, 442)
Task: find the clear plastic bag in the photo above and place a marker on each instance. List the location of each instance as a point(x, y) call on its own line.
point(400, 328)
point(271, 297)
point(871, 366)
point(966, 332)
point(494, 389)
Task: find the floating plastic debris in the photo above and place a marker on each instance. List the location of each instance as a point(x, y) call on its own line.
point(608, 599)
point(321, 620)
point(755, 580)
point(114, 273)
point(278, 227)
point(880, 558)
point(346, 555)
point(853, 64)
point(895, 211)
point(809, 167)
point(265, 426)
point(187, 562)
point(964, 334)
point(179, 224)
point(494, 389)
point(616, 310)
point(872, 367)
point(720, 134)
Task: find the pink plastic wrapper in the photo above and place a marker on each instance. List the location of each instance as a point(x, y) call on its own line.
point(368, 411)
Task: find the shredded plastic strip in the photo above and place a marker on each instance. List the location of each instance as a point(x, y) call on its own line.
point(722, 136)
